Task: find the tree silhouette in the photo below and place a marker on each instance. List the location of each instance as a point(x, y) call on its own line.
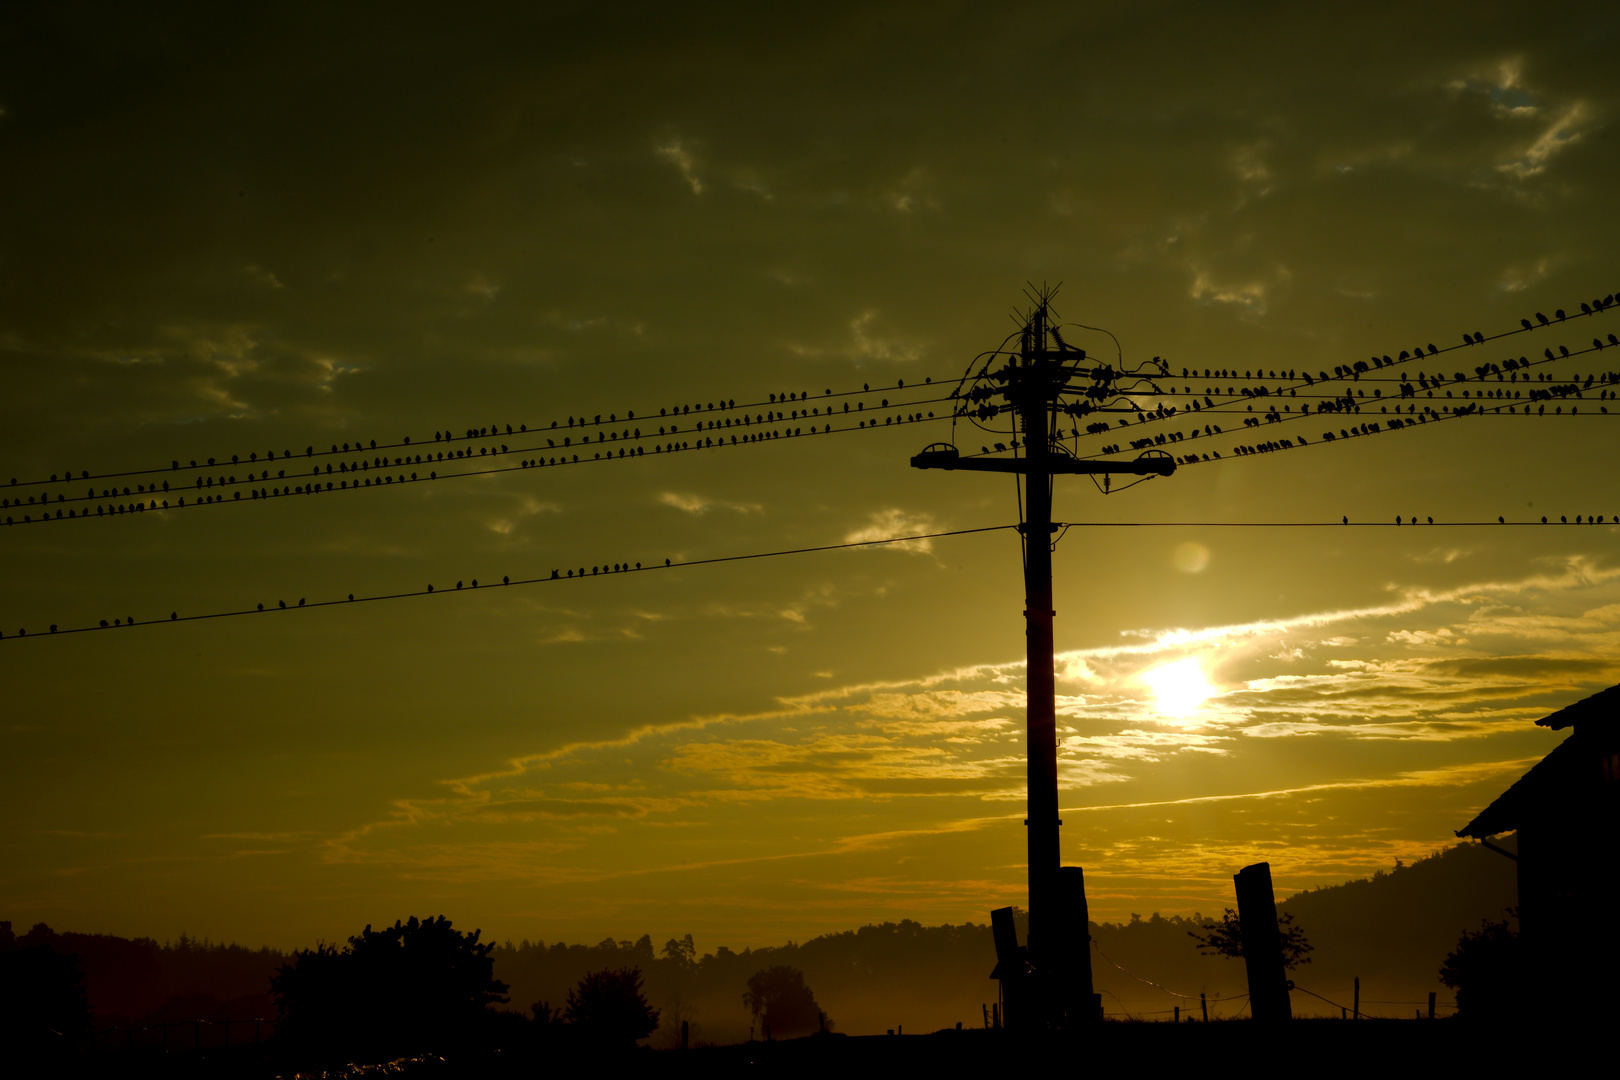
point(418, 985)
point(1485, 970)
point(43, 1005)
point(779, 997)
point(1225, 938)
point(607, 1008)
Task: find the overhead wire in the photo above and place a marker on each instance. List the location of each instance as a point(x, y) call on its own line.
point(365, 473)
point(556, 576)
point(685, 411)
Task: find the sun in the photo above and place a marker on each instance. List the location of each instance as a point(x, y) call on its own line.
point(1179, 687)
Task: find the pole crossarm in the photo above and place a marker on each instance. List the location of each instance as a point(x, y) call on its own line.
point(951, 459)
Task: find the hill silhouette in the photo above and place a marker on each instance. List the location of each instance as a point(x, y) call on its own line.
point(1392, 929)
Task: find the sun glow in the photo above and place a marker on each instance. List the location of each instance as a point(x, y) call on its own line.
point(1179, 687)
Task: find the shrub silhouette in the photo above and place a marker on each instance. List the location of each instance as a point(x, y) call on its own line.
point(43, 1006)
point(608, 1009)
point(778, 996)
point(1225, 938)
point(419, 985)
point(1486, 970)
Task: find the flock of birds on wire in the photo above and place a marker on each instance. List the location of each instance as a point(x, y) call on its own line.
point(361, 466)
point(1260, 400)
point(1507, 387)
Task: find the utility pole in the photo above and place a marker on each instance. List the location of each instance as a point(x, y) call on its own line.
point(1030, 387)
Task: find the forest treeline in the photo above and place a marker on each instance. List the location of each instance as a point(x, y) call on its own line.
point(1393, 930)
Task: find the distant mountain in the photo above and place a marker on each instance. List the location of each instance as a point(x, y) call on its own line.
point(1395, 929)
point(130, 981)
point(1392, 930)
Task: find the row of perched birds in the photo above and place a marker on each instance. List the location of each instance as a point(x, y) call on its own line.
point(282, 605)
point(490, 431)
point(478, 433)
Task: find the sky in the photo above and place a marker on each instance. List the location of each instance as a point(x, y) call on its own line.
point(264, 230)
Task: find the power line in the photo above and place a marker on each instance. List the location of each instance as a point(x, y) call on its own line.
point(556, 577)
point(366, 474)
point(1352, 373)
point(797, 402)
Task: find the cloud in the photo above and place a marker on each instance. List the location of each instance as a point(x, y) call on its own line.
point(886, 524)
point(676, 153)
point(697, 504)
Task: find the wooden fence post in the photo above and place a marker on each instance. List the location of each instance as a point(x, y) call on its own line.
point(1262, 945)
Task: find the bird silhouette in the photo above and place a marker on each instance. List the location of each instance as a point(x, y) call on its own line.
point(666, 562)
point(1347, 519)
point(430, 588)
point(104, 621)
point(173, 615)
point(1500, 520)
point(351, 596)
point(1431, 521)
point(1525, 323)
point(300, 601)
point(1397, 519)
point(506, 580)
point(1542, 319)
point(261, 608)
point(284, 605)
point(1563, 351)
point(1559, 314)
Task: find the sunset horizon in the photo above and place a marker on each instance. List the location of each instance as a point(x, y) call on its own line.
point(475, 456)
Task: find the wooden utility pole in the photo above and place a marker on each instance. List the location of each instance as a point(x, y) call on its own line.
point(1262, 945)
point(1031, 386)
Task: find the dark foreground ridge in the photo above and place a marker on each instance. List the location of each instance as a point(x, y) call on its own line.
point(1335, 1047)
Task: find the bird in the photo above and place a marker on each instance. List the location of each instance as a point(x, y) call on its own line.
point(1544, 519)
point(666, 562)
point(1564, 518)
point(1397, 519)
point(430, 588)
point(173, 615)
point(1586, 309)
point(1432, 349)
point(1563, 350)
point(1500, 520)
point(104, 621)
point(1431, 521)
point(1542, 319)
point(1347, 519)
point(1525, 323)
point(284, 605)
point(1559, 314)
point(458, 584)
point(1548, 353)
point(261, 608)
point(300, 601)
point(506, 580)
point(475, 583)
